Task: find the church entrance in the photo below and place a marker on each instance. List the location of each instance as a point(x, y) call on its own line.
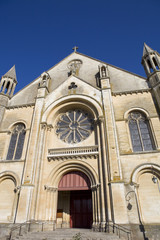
point(81, 209)
point(74, 201)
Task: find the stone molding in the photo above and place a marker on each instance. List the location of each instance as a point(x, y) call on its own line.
point(131, 92)
point(21, 106)
point(11, 161)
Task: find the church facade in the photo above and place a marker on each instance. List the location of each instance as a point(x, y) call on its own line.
point(80, 145)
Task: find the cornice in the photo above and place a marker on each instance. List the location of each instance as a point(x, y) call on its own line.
point(21, 106)
point(131, 92)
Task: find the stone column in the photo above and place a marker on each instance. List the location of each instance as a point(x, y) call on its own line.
point(116, 189)
point(102, 167)
point(35, 210)
point(96, 208)
point(4, 86)
point(51, 203)
point(27, 202)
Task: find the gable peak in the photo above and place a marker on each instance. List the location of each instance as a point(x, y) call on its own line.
point(75, 48)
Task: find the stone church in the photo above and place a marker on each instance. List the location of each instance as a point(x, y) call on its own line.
point(80, 145)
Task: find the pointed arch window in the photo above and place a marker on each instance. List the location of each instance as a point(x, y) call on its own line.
point(16, 142)
point(140, 131)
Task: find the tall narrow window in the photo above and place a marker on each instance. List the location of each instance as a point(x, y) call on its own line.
point(155, 63)
point(16, 142)
point(150, 66)
point(140, 131)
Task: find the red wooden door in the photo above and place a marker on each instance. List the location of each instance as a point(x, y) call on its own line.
point(81, 209)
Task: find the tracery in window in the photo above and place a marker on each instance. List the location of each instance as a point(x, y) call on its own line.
point(16, 142)
point(74, 126)
point(140, 132)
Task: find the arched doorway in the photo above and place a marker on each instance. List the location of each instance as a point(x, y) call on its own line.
point(7, 198)
point(149, 197)
point(74, 201)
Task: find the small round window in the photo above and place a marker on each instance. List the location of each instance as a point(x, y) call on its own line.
point(74, 126)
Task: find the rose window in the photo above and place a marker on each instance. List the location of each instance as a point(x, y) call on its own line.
point(74, 126)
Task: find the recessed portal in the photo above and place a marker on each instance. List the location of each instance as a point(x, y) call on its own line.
point(74, 201)
point(81, 209)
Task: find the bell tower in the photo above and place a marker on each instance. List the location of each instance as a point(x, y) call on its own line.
point(151, 64)
point(8, 83)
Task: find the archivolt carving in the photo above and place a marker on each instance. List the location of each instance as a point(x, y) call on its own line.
point(72, 165)
point(69, 102)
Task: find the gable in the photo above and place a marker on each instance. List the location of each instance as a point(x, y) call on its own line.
point(120, 80)
point(79, 88)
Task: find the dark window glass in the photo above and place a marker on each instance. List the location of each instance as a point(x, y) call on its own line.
point(20, 145)
point(12, 146)
point(140, 132)
point(16, 142)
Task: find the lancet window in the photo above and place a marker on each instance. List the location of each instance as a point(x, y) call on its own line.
point(16, 142)
point(140, 131)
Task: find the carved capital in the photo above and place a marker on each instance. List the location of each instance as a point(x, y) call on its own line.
point(136, 185)
point(95, 187)
point(49, 127)
point(99, 120)
point(46, 126)
point(17, 189)
point(50, 189)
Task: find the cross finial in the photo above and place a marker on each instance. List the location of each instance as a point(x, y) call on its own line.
point(75, 48)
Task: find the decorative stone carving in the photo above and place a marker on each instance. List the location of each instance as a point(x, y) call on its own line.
point(44, 80)
point(103, 71)
point(17, 189)
point(50, 189)
point(95, 187)
point(74, 66)
point(45, 126)
point(99, 120)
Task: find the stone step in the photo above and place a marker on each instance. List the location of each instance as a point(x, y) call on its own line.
point(68, 234)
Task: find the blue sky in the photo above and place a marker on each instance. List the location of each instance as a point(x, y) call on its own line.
point(36, 34)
